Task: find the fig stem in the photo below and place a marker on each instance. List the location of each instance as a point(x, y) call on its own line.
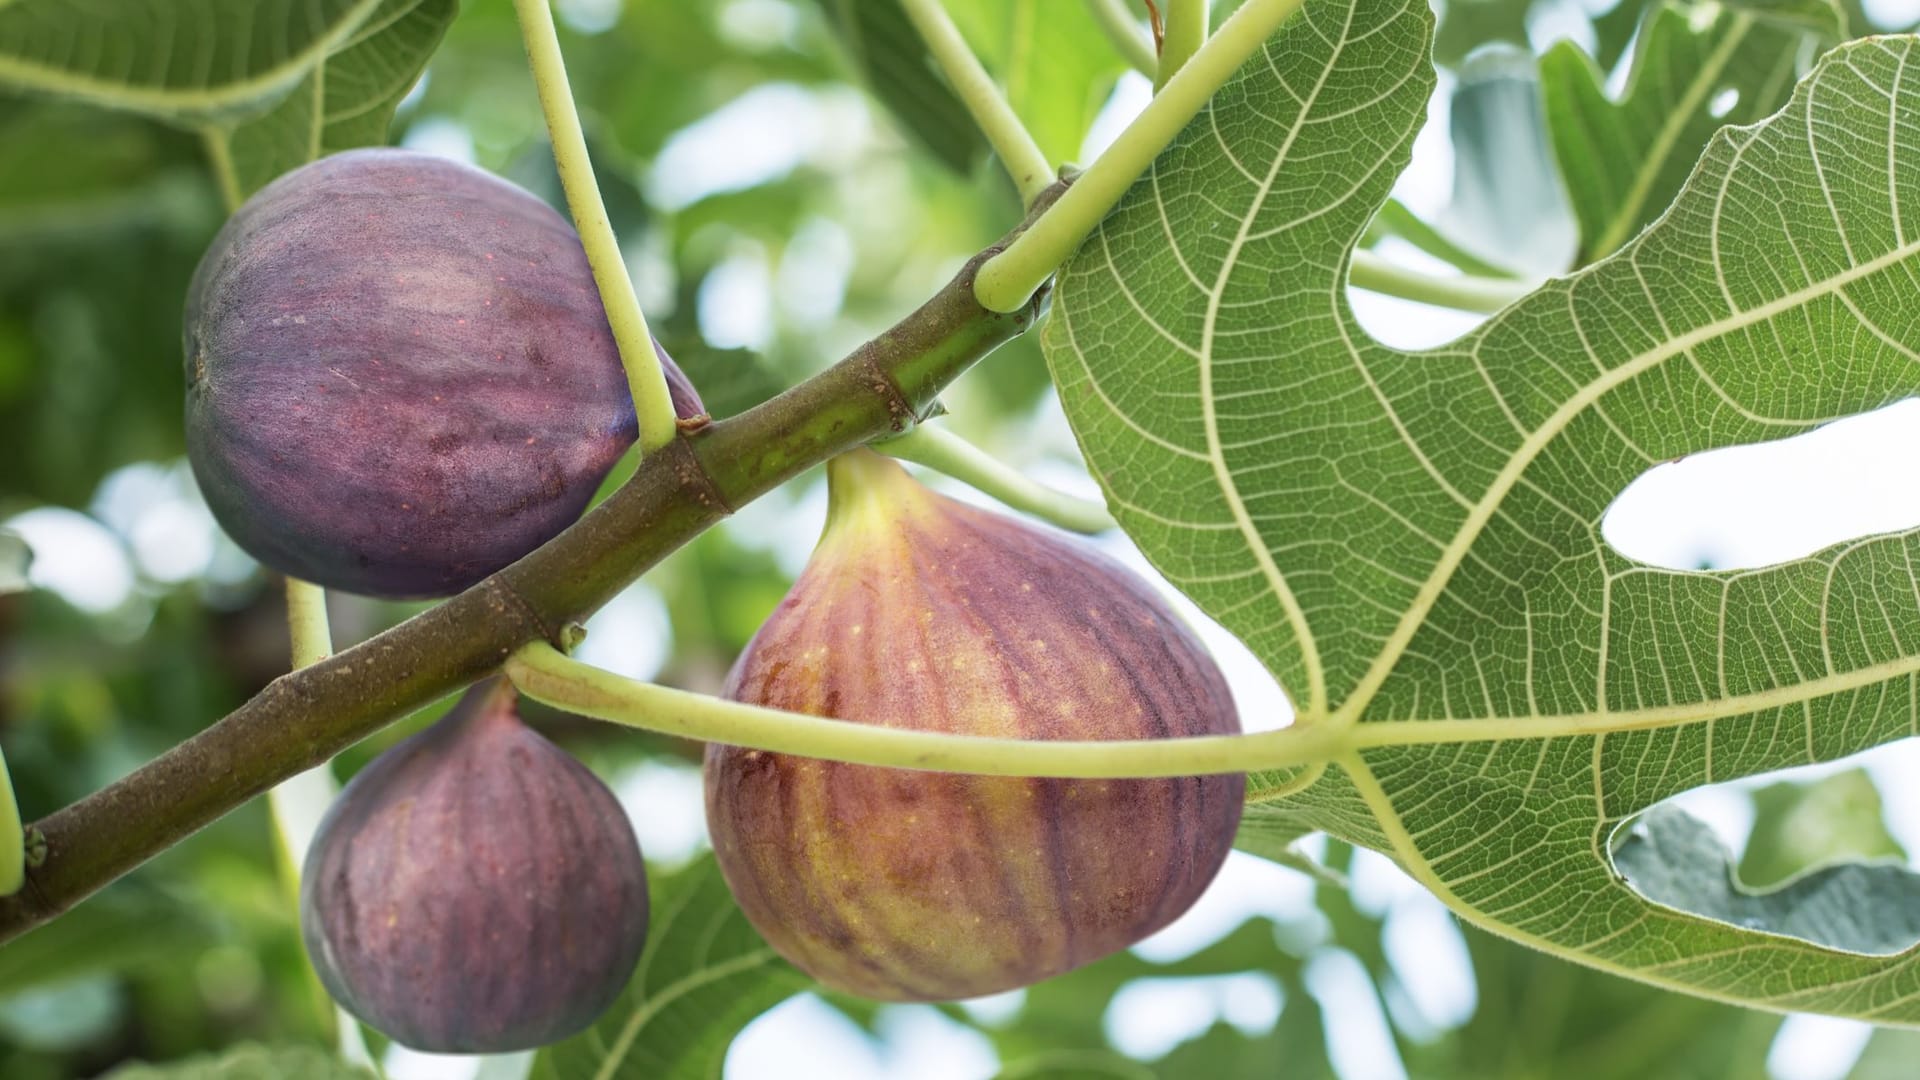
point(944, 452)
point(1124, 31)
point(1009, 278)
point(548, 675)
point(1186, 32)
point(1462, 292)
point(13, 837)
point(297, 803)
point(646, 380)
point(991, 112)
point(307, 628)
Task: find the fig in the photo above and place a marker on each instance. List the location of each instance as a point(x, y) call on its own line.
point(474, 889)
point(916, 611)
point(399, 375)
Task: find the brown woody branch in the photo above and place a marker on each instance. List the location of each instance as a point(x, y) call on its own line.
point(306, 717)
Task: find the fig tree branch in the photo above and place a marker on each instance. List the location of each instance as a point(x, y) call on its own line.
point(1012, 143)
point(1012, 276)
point(645, 378)
point(306, 717)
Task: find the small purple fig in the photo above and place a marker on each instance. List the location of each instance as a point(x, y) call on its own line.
point(920, 612)
point(475, 890)
point(399, 375)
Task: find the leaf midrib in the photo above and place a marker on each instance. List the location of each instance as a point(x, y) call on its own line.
point(1540, 438)
point(1216, 453)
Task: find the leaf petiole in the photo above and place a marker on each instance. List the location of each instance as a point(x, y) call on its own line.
point(1125, 33)
point(545, 674)
point(1186, 32)
point(996, 119)
point(1462, 292)
point(645, 379)
point(1011, 277)
point(944, 452)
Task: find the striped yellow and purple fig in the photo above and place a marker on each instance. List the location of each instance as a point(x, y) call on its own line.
point(475, 889)
point(399, 375)
point(920, 612)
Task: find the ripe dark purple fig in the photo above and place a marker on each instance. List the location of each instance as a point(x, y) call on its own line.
point(475, 889)
point(920, 612)
point(399, 375)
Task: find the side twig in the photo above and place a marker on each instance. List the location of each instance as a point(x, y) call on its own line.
point(944, 452)
point(996, 119)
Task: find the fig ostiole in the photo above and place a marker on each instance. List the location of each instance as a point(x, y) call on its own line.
point(400, 377)
point(917, 611)
point(475, 889)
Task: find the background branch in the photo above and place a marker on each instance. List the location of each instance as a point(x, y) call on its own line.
point(306, 717)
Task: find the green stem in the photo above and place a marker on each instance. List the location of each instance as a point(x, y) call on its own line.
point(297, 804)
point(307, 626)
point(645, 378)
point(1395, 219)
point(996, 119)
point(13, 837)
point(1126, 33)
point(220, 159)
point(1011, 277)
point(1186, 32)
point(1462, 292)
point(545, 674)
point(944, 452)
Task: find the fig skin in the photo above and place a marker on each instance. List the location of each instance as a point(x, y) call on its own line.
point(920, 612)
point(475, 890)
point(399, 375)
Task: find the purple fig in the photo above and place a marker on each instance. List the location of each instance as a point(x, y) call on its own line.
point(475, 889)
point(920, 612)
point(399, 375)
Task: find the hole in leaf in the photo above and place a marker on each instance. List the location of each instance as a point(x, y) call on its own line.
point(1765, 503)
point(1823, 857)
point(1723, 102)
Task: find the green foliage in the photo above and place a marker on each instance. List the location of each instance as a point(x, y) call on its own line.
point(882, 45)
point(704, 975)
point(1411, 541)
point(1623, 161)
point(1798, 826)
point(251, 1063)
point(1055, 62)
point(271, 85)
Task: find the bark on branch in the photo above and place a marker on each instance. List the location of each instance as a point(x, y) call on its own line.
point(306, 717)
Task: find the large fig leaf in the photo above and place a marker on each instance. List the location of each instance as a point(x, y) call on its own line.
point(272, 83)
point(1411, 541)
point(704, 975)
point(1695, 68)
